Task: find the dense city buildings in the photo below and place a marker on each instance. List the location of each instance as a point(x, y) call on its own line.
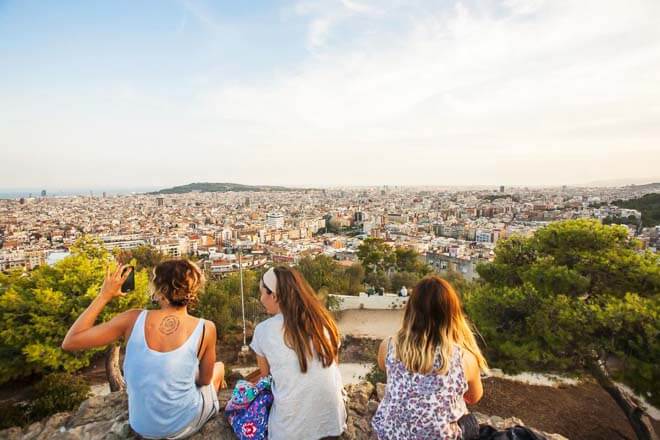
point(454, 229)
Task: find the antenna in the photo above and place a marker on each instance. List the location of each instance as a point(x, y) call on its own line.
point(244, 348)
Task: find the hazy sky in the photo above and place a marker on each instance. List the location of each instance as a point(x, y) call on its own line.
point(158, 93)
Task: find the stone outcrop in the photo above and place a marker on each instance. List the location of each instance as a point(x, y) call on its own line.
point(106, 417)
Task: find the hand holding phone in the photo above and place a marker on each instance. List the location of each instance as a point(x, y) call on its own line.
point(113, 284)
point(129, 284)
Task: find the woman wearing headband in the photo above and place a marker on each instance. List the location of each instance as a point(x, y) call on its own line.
point(299, 347)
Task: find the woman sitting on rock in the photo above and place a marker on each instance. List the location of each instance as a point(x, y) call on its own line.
point(171, 374)
point(433, 368)
point(298, 346)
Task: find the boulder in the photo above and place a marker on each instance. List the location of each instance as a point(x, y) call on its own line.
point(106, 418)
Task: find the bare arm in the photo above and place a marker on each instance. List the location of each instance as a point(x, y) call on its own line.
point(264, 366)
point(83, 334)
point(382, 353)
point(207, 355)
point(473, 375)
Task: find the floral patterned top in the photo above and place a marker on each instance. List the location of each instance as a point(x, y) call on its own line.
point(421, 406)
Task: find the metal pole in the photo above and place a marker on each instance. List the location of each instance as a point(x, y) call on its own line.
point(240, 269)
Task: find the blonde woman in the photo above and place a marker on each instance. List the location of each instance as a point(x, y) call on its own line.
point(433, 368)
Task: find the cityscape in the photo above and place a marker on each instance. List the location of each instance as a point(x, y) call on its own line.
point(452, 229)
point(379, 219)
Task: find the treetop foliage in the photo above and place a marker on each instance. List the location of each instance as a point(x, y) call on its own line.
point(575, 290)
point(38, 307)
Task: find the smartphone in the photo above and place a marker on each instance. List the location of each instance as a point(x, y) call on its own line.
point(129, 284)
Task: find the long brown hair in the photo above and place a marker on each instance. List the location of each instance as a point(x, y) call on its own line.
point(308, 327)
point(434, 318)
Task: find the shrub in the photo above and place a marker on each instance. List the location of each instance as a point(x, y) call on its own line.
point(13, 414)
point(375, 375)
point(58, 392)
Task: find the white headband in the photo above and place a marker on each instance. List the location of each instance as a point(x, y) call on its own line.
point(270, 279)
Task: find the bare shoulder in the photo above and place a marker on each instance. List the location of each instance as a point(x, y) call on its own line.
point(470, 364)
point(127, 320)
point(129, 315)
point(209, 327)
point(382, 348)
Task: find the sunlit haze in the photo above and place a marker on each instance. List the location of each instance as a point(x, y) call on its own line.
point(352, 92)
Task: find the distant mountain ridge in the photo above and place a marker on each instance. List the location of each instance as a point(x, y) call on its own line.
point(220, 187)
point(649, 186)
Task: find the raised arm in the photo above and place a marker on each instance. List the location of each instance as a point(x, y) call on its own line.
point(83, 334)
point(473, 375)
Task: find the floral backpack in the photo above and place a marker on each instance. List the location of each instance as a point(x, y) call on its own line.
point(248, 409)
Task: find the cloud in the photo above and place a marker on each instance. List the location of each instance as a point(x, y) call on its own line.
point(398, 92)
point(459, 78)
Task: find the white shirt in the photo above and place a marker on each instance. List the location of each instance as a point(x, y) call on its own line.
point(306, 406)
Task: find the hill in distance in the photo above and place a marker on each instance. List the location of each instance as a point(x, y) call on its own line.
point(220, 187)
point(648, 205)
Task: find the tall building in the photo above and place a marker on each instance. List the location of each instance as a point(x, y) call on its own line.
point(43, 193)
point(160, 201)
point(501, 188)
point(275, 220)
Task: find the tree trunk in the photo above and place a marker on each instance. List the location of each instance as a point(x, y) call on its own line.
point(112, 371)
point(637, 417)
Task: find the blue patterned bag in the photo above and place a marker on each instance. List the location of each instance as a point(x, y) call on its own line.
point(248, 409)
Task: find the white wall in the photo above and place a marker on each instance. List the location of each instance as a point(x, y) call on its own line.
point(374, 302)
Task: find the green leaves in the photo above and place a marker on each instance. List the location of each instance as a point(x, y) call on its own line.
point(576, 287)
point(37, 309)
point(324, 272)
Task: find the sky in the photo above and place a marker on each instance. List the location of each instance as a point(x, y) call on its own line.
point(123, 94)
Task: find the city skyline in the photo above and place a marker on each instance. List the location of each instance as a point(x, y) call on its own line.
point(323, 94)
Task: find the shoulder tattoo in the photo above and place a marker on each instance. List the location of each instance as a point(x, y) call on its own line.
point(169, 325)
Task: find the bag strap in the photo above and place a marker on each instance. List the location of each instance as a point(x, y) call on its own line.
point(201, 342)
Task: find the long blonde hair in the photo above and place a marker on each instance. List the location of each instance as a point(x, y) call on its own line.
point(434, 318)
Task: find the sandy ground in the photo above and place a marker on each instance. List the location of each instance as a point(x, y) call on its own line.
point(377, 324)
point(353, 372)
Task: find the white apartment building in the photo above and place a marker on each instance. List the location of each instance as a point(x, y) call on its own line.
point(275, 220)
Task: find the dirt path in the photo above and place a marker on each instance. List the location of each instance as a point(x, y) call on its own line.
point(369, 323)
point(582, 412)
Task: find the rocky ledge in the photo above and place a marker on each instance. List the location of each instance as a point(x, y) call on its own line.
point(106, 417)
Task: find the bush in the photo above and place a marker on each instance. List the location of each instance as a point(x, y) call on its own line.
point(375, 375)
point(13, 414)
point(58, 392)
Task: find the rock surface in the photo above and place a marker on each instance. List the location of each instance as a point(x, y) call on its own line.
point(106, 417)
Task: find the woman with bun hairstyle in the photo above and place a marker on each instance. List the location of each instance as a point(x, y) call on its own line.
point(171, 374)
point(433, 368)
point(299, 347)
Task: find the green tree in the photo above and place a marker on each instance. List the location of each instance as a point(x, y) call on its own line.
point(220, 301)
point(648, 205)
point(408, 279)
point(409, 260)
point(37, 309)
point(355, 278)
point(376, 255)
point(379, 280)
point(569, 297)
point(145, 256)
point(322, 271)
